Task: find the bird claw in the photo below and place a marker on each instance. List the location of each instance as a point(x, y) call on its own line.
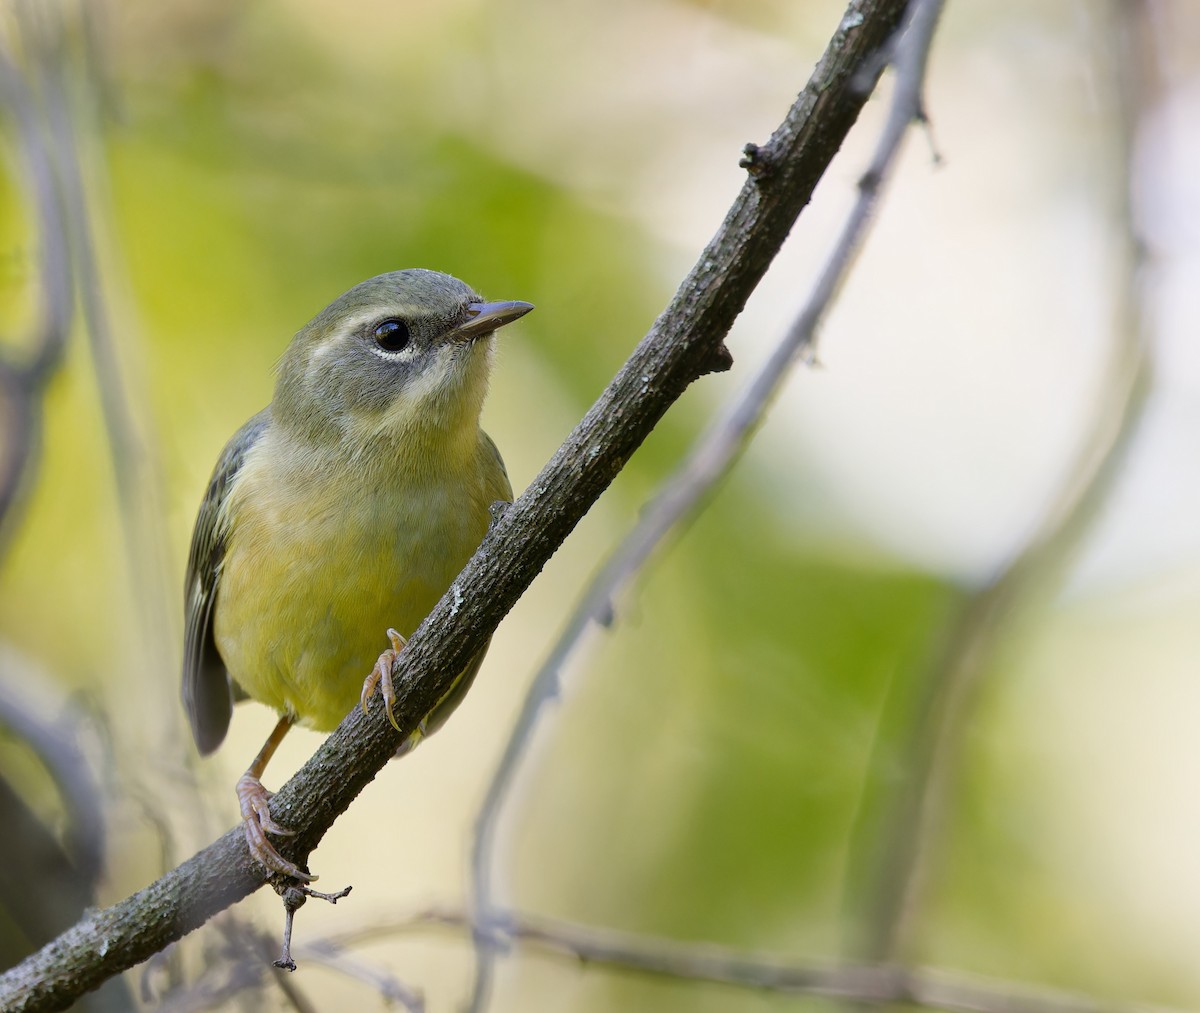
point(381, 678)
point(254, 801)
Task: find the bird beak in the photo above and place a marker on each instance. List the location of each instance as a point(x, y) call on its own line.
point(485, 317)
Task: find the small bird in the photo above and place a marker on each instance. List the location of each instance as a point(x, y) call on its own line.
point(342, 510)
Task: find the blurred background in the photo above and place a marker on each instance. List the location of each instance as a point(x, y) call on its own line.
point(735, 759)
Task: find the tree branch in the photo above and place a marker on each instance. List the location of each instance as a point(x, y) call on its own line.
point(712, 456)
point(684, 344)
point(871, 983)
point(27, 366)
point(901, 849)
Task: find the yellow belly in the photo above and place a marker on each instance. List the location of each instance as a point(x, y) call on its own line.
point(316, 570)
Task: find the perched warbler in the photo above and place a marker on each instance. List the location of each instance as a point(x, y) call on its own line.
point(343, 509)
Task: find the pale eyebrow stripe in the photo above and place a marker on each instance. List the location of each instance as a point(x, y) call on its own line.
point(350, 323)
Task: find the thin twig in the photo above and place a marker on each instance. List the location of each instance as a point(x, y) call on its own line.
point(237, 978)
point(26, 366)
point(700, 962)
point(133, 459)
point(386, 984)
point(240, 964)
point(903, 846)
point(52, 730)
point(714, 454)
point(876, 984)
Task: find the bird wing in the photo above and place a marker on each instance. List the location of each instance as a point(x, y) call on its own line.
point(497, 486)
point(498, 473)
point(208, 692)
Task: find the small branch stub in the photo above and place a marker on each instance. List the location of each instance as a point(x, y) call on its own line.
point(294, 897)
point(753, 160)
point(720, 360)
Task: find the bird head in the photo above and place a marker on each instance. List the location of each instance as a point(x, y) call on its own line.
point(404, 353)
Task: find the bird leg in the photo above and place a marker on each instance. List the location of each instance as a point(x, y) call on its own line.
point(254, 801)
point(381, 677)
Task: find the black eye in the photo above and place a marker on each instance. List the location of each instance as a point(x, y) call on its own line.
point(391, 335)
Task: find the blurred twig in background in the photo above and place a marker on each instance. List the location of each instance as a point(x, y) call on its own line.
point(49, 864)
point(900, 848)
point(870, 984)
point(26, 365)
point(715, 452)
point(238, 969)
point(69, 135)
point(47, 878)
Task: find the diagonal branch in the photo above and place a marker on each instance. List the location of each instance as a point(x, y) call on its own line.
point(684, 344)
point(901, 850)
point(711, 458)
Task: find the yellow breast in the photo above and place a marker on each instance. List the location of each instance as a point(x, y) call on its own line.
point(325, 553)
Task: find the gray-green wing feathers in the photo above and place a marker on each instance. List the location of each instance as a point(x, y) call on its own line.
point(491, 453)
point(207, 690)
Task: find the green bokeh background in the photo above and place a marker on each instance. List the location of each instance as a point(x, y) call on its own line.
point(718, 763)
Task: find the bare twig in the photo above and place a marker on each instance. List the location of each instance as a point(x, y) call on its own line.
point(241, 965)
point(294, 897)
point(236, 978)
point(386, 984)
point(26, 366)
point(52, 730)
point(68, 130)
point(711, 458)
point(903, 846)
point(868, 983)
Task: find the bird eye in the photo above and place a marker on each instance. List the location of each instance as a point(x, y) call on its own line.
point(391, 335)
